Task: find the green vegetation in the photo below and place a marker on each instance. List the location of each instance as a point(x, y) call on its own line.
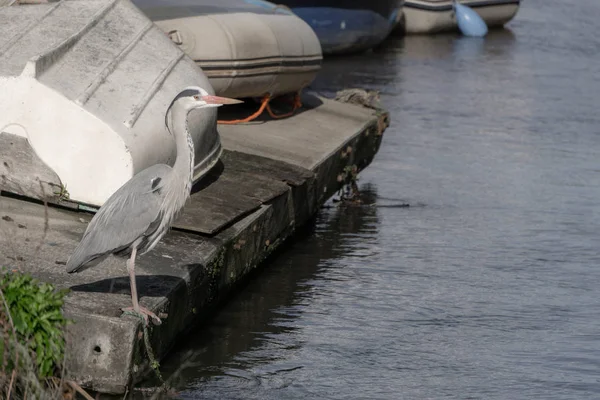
point(32, 346)
point(62, 193)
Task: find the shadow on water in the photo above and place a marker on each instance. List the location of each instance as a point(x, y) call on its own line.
point(268, 303)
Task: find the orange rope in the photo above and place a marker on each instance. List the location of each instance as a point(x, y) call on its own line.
point(264, 103)
point(297, 103)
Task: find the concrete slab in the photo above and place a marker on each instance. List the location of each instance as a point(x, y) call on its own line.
point(283, 170)
point(313, 135)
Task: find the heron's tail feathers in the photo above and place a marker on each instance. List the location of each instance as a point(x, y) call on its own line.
point(80, 261)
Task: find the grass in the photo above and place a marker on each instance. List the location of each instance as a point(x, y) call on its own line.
point(32, 343)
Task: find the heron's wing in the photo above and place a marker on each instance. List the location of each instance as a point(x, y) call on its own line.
point(132, 212)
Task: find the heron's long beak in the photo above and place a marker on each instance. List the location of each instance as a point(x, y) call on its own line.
point(220, 100)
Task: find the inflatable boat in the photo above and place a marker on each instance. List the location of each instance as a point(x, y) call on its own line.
point(432, 16)
point(345, 26)
point(245, 48)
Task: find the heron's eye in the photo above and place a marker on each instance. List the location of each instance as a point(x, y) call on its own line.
point(196, 97)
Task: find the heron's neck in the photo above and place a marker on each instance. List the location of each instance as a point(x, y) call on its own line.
point(184, 163)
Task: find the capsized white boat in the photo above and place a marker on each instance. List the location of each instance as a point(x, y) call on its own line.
point(431, 16)
point(87, 84)
point(245, 48)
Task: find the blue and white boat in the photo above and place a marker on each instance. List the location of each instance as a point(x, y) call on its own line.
point(345, 26)
point(433, 16)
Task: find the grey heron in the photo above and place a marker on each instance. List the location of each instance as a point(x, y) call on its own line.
point(136, 217)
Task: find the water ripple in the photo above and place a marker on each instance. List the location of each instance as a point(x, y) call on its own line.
point(485, 287)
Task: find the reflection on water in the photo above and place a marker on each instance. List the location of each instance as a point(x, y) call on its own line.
point(486, 287)
point(236, 344)
point(381, 69)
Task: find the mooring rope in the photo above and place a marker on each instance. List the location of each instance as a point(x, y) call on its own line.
point(264, 104)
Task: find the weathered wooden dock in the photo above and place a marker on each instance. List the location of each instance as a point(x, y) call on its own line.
point(273, 176)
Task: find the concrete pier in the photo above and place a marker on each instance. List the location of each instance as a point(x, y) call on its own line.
point(273, 176)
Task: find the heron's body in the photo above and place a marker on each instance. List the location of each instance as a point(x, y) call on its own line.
point(125, 214)
point(140, 213)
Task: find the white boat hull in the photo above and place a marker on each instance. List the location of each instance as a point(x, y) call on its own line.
point(433, 16)
point(87, 83)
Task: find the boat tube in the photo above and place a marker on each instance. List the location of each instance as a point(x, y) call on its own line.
point(245, 48)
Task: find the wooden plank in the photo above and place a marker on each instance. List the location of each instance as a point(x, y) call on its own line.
point(231, 194)
point(215, 207)
point(22, 172)
point(301, 180)
point(291, 174)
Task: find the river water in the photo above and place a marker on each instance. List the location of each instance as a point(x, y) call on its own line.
point(487, 286)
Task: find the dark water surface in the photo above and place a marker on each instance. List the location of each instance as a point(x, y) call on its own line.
point(487, 287)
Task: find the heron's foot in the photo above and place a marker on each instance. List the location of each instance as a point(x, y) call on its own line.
point(144, 313)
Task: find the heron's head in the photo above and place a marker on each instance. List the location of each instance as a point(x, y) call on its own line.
point(195, 97)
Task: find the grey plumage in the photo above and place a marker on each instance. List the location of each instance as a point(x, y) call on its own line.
point(131, 213)
point(140, 212)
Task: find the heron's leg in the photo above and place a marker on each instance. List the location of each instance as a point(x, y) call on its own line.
point(144, 312)
point(132, 280)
